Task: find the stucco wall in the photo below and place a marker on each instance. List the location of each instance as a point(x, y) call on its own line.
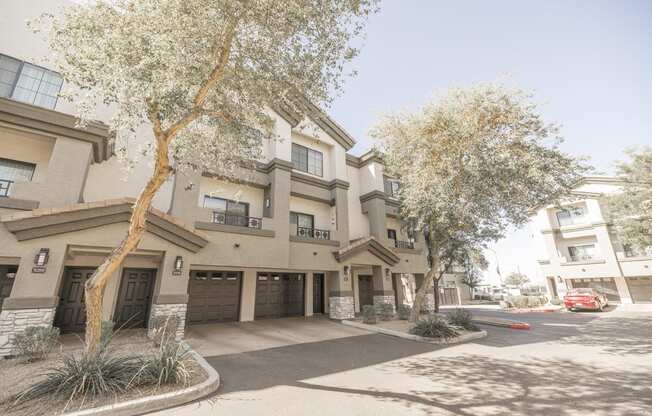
point(322, 212)
point(233, 191)
point(27, 147)
point(358, 222)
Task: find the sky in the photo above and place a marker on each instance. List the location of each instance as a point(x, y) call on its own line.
point(588, 63)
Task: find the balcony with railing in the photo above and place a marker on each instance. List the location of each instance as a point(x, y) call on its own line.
point(404, 244)
point(315, 233)
point(237, 220)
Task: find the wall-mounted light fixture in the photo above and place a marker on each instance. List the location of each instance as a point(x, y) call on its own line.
point(42, 257)
point(236, 245)
point(178, 264)
point(388, 273)
point(268, 202)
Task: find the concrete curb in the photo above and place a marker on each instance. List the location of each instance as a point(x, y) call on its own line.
point(504, 323)
point(399, 334)
point(160, 401)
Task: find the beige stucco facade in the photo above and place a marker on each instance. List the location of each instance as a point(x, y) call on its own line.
point(77, 204)
point(585, 251)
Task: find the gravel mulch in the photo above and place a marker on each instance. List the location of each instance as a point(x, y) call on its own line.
point(16, 376)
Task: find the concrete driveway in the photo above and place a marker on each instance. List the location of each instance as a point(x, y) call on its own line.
point(568, 364)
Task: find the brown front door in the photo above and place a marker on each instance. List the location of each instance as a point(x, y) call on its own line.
point(134, 297)
point(7, 277)
point(279, 295)
point(213, 296)
point(71, 312)
point(318, 293)
point(365, 290)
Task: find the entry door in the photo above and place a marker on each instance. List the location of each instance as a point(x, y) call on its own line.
point(365, 290)
point(132, 310)
point(317, 293)
point(71, 312)
point(7, 277)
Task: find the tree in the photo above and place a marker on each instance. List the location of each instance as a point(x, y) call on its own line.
point(631, 211)
point(517, 279)
point(201, 75)
point(470, 164)
point(474, 264)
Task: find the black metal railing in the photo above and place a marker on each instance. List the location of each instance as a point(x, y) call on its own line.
point(5, 184)
point(404, 244)
point(237, 220)
point(313, 233)
point(581, 257)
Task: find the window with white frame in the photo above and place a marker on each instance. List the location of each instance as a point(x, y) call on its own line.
point(392, 187)
point(571, 216)
point(22, 81)
point(14, 171)
point(307, 160)
point(582, 252)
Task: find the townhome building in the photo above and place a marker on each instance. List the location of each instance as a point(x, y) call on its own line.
point(310, 230)
point(579, 248)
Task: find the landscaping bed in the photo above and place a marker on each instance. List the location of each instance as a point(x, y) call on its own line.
point(16, 376)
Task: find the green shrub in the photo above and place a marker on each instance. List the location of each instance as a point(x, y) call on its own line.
point(404, 312)
point(85, 376)
point(555, 301)
point(434, 326)
point(386, 311)
point(461, 318)
point(169, 365)
point(368, 314)
point(519, 302)
point(36, 342)
point(163, 329)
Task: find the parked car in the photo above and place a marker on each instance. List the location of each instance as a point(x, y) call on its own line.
point(585, 299)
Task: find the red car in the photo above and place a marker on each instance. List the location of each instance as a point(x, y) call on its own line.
point(585, 298)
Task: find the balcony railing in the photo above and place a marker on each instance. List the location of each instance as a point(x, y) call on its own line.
point(404, 244)
point(4, 187)
point(315, 233)
point(237, 220)
point(584, 257)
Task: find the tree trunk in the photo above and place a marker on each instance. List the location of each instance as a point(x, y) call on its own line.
point(436, 294)
point(420, 296)
point(94, 288)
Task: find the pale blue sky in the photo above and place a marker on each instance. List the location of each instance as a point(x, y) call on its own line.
point(588, 62)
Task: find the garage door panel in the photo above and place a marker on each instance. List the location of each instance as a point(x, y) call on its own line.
point(279, 295)
point(213, 296)
point(640, 288)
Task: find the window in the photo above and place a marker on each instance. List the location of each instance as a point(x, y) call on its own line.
point(579, 253)
point(307, 160)
point(570, 216)
point(29, 83)
point(228, 212)
point(391, 234)
point(300, 220)
point(391, 187)
point(14, 171)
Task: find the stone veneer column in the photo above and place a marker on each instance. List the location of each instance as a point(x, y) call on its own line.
point(14, 321)
point(383, 290)
point(340, 299)
point(170, 309)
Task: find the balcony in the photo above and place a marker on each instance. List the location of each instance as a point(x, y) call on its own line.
point(237, 220)
point(4, 187)
point(404, 244)
point(315, 233)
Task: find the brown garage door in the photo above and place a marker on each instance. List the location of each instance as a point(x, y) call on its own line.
point(71, 312)
point(213, 296)
point(133, 306)
point(7, 277)
point(279, 295)
point(640, 288)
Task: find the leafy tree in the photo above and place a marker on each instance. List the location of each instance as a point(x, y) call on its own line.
point(631, 211)
point(517, 279)
point(200, 77)
point(470, 164)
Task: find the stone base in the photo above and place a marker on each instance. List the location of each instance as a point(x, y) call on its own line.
point(341, 307)
point(173, 309)
point(385, 299)
point(14, 321)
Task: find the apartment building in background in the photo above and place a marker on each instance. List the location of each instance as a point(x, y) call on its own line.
point(310, 230)
point(579, 248)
